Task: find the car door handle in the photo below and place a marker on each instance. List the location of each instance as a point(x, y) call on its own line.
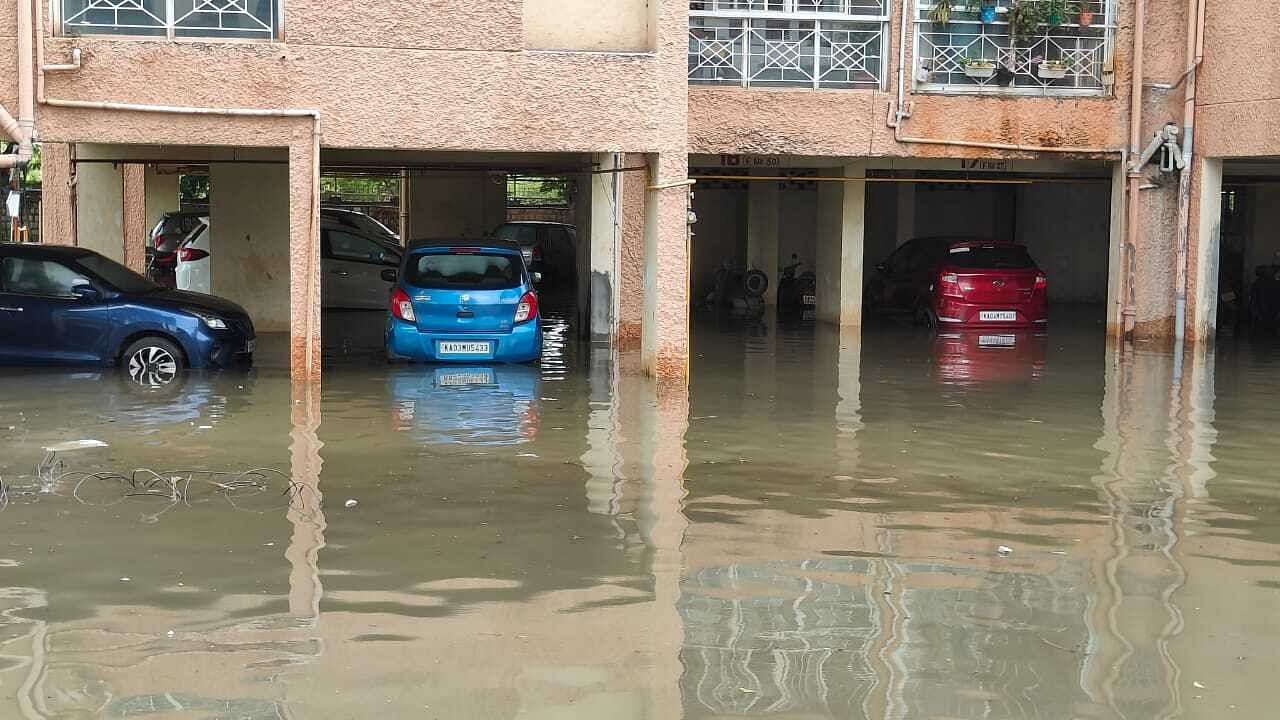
point(9, 309)
point(340, 273)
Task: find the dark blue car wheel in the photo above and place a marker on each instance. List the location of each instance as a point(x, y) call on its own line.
point(152, 361)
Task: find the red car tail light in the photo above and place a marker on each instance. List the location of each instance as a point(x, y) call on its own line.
point(1042, 282)
point(949, 285)
point(402, 306)
point(527, 309)
point(187, 254)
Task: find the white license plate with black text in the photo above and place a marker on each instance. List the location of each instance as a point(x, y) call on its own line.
point(996, 340)
point(464, 348)
point(998, 316)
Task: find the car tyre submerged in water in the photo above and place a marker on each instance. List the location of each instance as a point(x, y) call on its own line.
point(153, 361)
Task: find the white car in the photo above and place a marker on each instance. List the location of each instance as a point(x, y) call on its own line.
point(193, 269)
point(351, 265)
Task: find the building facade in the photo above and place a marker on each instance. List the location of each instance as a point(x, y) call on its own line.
point(1101, 133)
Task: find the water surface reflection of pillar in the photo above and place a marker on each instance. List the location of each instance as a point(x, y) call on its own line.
point(306, 513)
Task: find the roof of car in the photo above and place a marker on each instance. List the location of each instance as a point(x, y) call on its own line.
point(37, 249)
point(483, 243)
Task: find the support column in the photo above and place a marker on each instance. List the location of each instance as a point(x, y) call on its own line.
point(631, 255)
point(841, 211)
point(1115, 251)
point(762, 233)
point(606, 224)
point(99, 204)
point(163, 194)
point(664, 339)
point(304, 257)
point(58, 199)
point(1203, 249)
point(250, 233)
point(134, 214)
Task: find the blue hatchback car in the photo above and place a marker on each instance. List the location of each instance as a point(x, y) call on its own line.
point(458, 301)
point(67, 305)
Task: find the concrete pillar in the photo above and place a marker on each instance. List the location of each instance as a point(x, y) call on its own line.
point(631, 255)
point(906, 226)
point(100, 209)
point(162, 193)
point(1203, 248)
point(605, 192)
point(762, 233)
point(456, 204)
point(249, 242)
point(583, 204)
point(134, 215)
point(303, 232)
point(58, 198)
point(664, 338)
point(495, 202)
point(841, 213)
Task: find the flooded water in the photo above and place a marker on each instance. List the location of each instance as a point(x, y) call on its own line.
point(820, 527)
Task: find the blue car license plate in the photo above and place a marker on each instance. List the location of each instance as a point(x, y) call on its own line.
point(465, 348)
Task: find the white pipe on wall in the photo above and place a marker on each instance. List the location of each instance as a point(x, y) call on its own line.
point(22, 130)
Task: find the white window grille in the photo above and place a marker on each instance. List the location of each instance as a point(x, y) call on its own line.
point(1071, 56)
point(254, 19)
point(797, 43)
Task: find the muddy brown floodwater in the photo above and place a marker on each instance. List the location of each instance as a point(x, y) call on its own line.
point(885, 527)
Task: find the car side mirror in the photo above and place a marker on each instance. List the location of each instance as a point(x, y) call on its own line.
point(389, 275)
point(85, 292)
point(536, 277)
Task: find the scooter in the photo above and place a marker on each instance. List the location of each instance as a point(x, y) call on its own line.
point(742, 294)
point(797, 291)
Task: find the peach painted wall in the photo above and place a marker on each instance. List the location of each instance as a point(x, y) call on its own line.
point(1238, 95)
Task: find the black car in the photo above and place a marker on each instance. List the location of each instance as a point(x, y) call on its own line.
point(72, 306)
point(549, 248)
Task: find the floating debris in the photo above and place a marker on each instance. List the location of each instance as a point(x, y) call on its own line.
point(1004, 551)
point(351, 503)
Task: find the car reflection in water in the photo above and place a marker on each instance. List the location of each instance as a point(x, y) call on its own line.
point(460, 405)
point(976, 358)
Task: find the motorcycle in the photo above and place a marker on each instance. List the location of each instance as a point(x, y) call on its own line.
point(797, 291)
point(741, 294)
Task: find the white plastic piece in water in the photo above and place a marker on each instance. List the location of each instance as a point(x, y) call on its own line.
point(125, 579)
point(1004, 551)
point(74, 445)
point(352, 503)
point(171, 634)
point(1198, 685)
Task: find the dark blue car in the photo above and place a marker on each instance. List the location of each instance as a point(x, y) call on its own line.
point(72, 306)
point(456, 301)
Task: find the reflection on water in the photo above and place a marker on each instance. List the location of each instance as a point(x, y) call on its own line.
point(823, 525)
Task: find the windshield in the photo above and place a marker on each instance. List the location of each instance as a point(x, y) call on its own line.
point(991, 257)
point(516, 233)
point(470, 271)
point(115, 274)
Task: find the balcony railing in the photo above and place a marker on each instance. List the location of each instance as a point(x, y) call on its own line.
point(790, 43)
point(254, 19)
point(1070, 55)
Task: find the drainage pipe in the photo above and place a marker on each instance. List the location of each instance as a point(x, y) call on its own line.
point(1128, 294)
point(309, 330)
point(22, 130)
point(1195, 55)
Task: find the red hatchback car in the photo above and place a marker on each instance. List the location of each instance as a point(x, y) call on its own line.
point(963, 284)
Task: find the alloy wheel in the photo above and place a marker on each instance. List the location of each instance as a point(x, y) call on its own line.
point(153, 366)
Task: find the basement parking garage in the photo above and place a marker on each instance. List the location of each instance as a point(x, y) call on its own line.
point(783, 242)
point(372, 205)
point(1248, 293)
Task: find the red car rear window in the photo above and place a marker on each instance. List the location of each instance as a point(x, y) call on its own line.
point(990, 257)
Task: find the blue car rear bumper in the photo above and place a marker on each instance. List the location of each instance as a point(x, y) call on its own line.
point(406, 342)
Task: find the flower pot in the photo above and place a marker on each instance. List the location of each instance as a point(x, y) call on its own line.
point(980, 71)
point(987, 14)
point(1051, 72)
point(1086, 18)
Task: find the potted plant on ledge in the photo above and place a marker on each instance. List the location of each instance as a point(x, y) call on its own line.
point(1052, 70)
point(979, 68)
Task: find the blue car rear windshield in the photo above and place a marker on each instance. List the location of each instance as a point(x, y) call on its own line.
point(463, 271)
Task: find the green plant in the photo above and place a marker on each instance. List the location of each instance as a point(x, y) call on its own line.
point(1025, 19)
point(940, 13)
point(978, 62)
point(1056, 12)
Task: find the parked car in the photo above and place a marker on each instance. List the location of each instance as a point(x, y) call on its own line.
point(162, 249)
point(962, 284)
point(363, 222)
point(194, 266)
point(351, 264)
point(458, 301)
point(549, 248)
point(466, 404)
point(66, 305)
